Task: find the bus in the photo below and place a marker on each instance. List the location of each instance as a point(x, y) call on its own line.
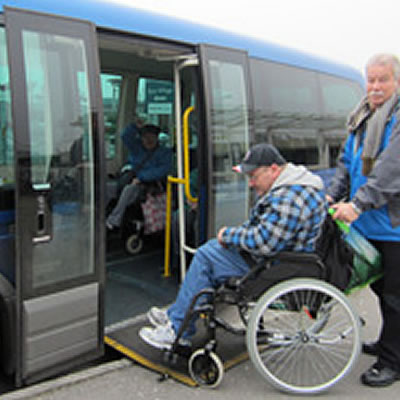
point(72, 76)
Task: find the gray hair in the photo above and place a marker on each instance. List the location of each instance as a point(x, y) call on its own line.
point(385, 59)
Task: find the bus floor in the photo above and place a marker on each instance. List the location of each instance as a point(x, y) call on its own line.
point(135, 283)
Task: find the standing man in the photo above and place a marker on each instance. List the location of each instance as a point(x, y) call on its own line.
point(287, 215)
point(368, 178)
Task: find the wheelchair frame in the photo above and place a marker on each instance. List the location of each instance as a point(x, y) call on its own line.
point(302, 334)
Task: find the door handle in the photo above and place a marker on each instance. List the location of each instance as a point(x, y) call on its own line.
point(42, 223)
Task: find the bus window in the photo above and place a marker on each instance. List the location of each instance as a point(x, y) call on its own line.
point(230, 137)
point(111, 93)
point(155, 105)
point(6, 135)
point(7, 206)
point(339, 97)
point(61, 151)
point(287, 110)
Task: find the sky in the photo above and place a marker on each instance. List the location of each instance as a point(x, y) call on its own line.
point(347, 31)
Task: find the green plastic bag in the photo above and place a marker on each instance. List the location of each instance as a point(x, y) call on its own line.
point(367, 259)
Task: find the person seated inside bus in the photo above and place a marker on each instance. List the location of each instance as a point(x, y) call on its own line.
point(287, 215)
point(149, 165)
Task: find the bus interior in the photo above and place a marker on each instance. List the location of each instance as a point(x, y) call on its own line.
point(137, 78)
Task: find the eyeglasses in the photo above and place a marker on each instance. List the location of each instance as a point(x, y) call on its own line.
point(254, 177)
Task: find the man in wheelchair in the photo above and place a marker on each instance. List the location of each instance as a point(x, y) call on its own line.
point(149, 162)
point(287, 215)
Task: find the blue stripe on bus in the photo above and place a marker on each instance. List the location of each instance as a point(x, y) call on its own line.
point(116, 16)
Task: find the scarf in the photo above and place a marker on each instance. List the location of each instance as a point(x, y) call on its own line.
point(376, 121)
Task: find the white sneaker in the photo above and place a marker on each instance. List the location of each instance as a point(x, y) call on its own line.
point(158, 317)
point(161, 337)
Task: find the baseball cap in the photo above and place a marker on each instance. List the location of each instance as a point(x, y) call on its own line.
point(154, 129)
point(258, 156)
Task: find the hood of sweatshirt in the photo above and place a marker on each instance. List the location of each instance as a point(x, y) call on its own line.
point(297, 175)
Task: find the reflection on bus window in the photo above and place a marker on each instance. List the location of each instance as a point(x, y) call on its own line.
point(297, 111)
point(7, 206)
point(6, 134)
point(61, 140)
point(111, 93)
point(230, 135)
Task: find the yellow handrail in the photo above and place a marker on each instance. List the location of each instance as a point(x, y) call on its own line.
point(186, 160)
point(186, 182)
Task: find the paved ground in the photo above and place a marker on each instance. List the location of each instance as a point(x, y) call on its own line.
point(124, 380)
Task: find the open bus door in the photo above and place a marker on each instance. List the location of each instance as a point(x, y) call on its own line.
point(228, 125)
point(56, 110)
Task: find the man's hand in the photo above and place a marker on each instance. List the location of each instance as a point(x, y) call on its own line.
point(219, 236)
point(135, 181)
point(345, 212)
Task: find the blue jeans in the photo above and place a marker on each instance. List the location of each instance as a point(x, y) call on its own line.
point(211, 266)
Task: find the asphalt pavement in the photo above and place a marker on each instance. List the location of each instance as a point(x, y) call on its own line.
point(124, 379)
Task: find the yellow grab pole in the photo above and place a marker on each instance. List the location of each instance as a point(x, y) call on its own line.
point(186, 161)
point(167, 249)
point(186, 182)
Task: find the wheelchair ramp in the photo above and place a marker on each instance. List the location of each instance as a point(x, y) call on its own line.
point(231, 349)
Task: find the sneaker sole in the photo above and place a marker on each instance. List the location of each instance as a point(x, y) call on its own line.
point(151, 342)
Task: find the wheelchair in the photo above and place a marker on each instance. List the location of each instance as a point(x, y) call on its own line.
point(301, 332)
point(136, 223)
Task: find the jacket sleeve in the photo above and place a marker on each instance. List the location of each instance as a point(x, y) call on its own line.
point(130, 136)
point(158, 167)
point(269, 234)
point(383, 183)
point(340, 185)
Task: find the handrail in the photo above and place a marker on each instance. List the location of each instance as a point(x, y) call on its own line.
point(186, 182)
point(186, 160)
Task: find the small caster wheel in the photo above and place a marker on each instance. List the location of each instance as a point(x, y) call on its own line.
point(134, 244)
point(206, 368)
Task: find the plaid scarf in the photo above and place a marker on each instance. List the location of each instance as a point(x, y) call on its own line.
point(376, 121)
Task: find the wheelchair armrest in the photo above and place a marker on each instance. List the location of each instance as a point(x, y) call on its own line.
point(296, 256)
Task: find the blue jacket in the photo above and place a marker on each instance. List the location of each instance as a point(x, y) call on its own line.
point(378, 194)
point(156, 167)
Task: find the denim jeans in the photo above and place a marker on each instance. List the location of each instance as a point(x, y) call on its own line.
point(211, 266)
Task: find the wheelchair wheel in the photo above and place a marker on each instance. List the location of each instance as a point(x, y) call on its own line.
point(134, 243)
point(303, 336)
point(206, 368)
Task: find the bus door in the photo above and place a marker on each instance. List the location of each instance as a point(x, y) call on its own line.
point(59, 236)
point(228, 109)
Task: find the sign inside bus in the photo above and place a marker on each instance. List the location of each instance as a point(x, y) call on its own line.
point(159, 97)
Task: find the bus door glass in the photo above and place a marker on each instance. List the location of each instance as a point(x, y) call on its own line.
point(59, 251)
point(227, 110)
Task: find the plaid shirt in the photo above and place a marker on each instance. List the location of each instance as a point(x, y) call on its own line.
point(285, 218)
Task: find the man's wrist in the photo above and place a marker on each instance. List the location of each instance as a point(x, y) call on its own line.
point(356, 208)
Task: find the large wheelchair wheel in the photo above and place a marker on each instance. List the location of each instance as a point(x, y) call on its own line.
point(303, 336)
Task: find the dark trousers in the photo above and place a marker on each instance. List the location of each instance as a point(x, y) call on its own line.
point(388, 291)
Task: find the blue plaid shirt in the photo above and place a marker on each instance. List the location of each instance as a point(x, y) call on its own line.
point(286, 218)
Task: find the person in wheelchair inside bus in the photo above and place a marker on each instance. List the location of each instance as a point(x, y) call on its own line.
point(289, 210)
point(150, 164)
